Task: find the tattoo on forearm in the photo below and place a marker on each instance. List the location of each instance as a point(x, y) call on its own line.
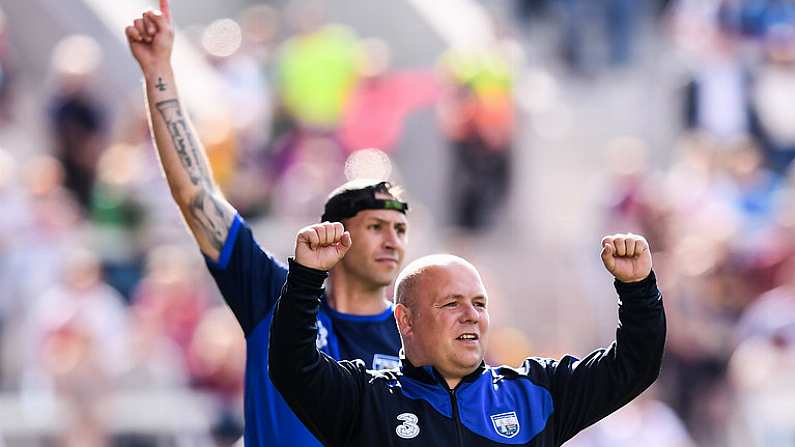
point(160, 85)
point(206, 208)
point(184, 141)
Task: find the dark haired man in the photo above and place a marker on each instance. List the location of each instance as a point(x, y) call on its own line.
point(356, 320)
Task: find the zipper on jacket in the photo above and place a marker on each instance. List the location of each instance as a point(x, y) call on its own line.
point(456, 418)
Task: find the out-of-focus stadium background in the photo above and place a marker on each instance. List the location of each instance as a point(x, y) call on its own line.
point(522, 131)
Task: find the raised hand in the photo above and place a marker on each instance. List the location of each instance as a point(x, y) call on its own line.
point(626, 256)
point(151, 38)
point(322, 246)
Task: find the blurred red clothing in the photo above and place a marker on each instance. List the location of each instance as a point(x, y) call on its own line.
point(378, 107)
point(177, 305)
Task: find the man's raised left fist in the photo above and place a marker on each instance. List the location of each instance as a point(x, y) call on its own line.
point(626, 256)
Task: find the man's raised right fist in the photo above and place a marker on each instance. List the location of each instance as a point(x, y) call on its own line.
point(151, 38)
point(322, 246)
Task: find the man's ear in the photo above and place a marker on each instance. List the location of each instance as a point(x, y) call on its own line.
point(403, 319)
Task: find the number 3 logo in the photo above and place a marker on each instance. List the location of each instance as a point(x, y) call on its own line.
point(409, 428)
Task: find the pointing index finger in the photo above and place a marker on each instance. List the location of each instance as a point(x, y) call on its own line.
point(165, 8)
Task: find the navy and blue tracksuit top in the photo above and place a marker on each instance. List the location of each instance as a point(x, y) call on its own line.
point(544, 402)
point(250, 280)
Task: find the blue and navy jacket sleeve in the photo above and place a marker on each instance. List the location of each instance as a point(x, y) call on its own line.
point(585, 391)
point(323, 393)
point(249, 278)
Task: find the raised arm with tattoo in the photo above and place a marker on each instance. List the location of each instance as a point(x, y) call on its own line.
point(182, 155)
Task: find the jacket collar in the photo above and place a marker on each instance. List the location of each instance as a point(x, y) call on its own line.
point(428, 374)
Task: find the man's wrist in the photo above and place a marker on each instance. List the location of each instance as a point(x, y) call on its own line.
point(159, 72)
point(640, 290)
point(306, 276)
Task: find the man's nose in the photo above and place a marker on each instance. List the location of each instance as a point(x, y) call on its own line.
point(391, 239)
point(469, 314)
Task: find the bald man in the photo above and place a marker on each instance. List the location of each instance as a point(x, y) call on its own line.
point(443, 394)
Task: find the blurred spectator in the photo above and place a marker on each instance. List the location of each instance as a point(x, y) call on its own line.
point(702, 316)
point(51, 226)
point(773, 98)
point(217, 357)
point(773, 313)
point(155, 362)
point(754, 18)
point(762, 374)
point(645, 421)
point(717, 95)
point(242, 54)
point(249, 72)
point(15, 210)
point(316, 73)
point(317, 69)
point(74, 365)
point(155, 221)
point(77, 345)
point(16, 216)
point(237, 60)
point(621, 19)
point(77, 119)
point(80, 305)
point(508, 346)
point(118, 215)
point(532, 9)
point(382, 100)
point(724, 230)
point(170, 297)
point(6, 71)
point(754, 186)
point(634, 203)
point(477, 115)
point(316, 167)
point(618, 20)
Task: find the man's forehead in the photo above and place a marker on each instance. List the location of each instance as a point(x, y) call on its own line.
point(389, 216)
point(450, 280)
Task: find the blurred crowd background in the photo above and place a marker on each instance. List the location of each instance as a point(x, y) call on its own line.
point(522, 132)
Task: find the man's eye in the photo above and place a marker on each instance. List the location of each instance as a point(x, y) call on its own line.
point(375, 227)
point(450, 304)
point(483, 305)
